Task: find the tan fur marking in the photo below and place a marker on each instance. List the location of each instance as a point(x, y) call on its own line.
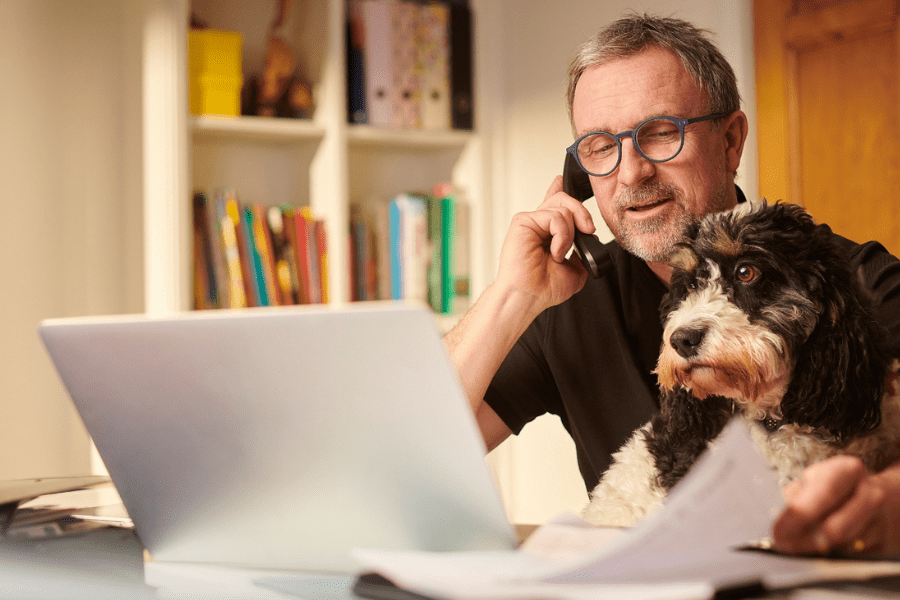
point(684, 259)
point(726, 246)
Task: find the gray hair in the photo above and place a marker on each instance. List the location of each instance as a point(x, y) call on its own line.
point(634, 33)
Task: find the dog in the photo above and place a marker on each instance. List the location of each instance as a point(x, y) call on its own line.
point(763, 319)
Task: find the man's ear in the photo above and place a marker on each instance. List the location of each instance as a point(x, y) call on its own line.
point(735, 128)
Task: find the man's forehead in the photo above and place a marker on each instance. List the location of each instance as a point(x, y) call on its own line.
point(621, 93)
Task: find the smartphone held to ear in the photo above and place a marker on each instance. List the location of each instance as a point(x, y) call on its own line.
point(594, 255)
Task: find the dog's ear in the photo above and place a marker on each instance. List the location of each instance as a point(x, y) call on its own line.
point(839, 377)
point(682, 430)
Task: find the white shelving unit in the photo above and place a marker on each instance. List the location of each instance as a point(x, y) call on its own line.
point(323, 162)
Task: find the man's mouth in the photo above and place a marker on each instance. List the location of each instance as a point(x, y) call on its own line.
point(650, 206)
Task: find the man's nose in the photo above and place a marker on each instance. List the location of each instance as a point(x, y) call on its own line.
point(634, 169)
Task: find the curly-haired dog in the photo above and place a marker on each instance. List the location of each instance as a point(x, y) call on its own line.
point(763, 318)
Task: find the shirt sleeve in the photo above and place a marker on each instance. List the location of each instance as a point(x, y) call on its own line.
point(523, 388)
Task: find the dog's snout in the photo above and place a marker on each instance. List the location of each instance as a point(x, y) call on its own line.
point(686, 340)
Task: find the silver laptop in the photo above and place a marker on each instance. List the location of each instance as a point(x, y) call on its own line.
point(283, 437)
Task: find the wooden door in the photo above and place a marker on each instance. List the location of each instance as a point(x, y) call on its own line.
point(828, 117)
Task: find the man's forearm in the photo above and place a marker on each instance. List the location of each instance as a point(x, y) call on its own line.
point(480, 342)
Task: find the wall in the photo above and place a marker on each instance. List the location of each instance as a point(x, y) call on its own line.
point(70, 230)
point(529, 129)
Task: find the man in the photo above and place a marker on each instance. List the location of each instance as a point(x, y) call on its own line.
point(545, 338)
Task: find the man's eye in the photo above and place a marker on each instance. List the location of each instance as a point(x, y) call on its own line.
point(747, 273)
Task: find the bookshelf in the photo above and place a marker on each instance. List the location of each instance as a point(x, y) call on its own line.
point(323, 162)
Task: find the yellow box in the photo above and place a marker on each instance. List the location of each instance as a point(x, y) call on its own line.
point(215, 52)
point(216, 95)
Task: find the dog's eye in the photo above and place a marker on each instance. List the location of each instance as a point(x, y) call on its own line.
point(692, 285)
point(746, 273)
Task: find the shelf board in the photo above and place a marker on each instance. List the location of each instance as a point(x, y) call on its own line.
point(368, 136)
point(261, 128)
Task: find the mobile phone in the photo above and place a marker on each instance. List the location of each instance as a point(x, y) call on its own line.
point(593, 254)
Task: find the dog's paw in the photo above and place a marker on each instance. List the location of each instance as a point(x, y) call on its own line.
point(602, 513)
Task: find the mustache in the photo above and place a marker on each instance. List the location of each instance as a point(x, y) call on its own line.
point(644, 194)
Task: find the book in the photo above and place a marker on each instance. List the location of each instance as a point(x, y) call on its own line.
point(218, 271)
point(410, 249)
point(382, 245)
point(255, 259)
point(245, 251)
point(433, 64)
point(395, 249)
point(263, 239)
point(436, 209)
point(281, 255)
point(455, 234)
point(236, 296)
point(377, 26)
point(460, 278)
point(301, 257)
point(322, 253)
point(461, 88)
point(360, 255)
point(204, 278)
point(405, 107)
point(356, 79)
point(313, 264)
point(290, 233)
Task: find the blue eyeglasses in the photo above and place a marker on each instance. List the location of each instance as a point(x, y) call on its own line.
point(658, 139)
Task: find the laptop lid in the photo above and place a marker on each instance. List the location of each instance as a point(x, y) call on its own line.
point(283, 437)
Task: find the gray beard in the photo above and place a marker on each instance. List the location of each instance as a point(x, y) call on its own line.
point(653, 240)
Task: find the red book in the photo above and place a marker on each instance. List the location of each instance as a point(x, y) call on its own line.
point(301, 250)
point(322, 247)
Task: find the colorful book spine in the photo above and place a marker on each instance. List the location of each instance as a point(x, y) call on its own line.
point(263, 241)
point(435, 239)
point(290, 233)
point(433, 65)
point(322, 251)
point(205, 291)
point(301, 251)
point(395, 248)
point(236, 292)
point(405, 108)
point(281, 254)
point(448, 263)
point(377, 60)
point(356, 78)
point(312, 250)
point(255, 259)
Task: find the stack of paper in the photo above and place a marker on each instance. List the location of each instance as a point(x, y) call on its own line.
point(693, 548)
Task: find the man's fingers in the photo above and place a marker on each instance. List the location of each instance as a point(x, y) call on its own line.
point(827, 485)
point(555, 198)
point(852, 527)
point(555, 224)
point(824, 492)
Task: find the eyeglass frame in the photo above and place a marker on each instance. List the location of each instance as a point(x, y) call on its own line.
point(677, 121)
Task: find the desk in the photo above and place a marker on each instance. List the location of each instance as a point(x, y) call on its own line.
point(110, 564)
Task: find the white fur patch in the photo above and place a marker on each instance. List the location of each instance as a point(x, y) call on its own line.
point(628, 491)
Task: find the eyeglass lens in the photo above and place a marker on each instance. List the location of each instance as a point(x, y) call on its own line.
point(657, 139)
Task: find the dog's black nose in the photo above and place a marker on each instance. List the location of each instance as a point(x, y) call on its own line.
point(687, 340)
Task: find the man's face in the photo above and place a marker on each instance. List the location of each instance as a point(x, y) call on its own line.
point(647, 205)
